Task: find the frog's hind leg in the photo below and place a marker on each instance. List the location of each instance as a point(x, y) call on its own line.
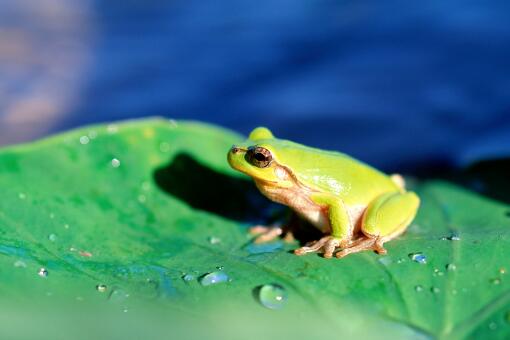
point(386, 217)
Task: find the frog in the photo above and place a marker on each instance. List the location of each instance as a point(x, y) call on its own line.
point(355, 206)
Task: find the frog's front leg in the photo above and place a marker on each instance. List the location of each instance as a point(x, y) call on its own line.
point(340, 223)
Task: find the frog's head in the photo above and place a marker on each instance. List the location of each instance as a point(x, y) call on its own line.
point(258, 158)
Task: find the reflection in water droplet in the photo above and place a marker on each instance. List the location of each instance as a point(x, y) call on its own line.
point(43, 272)
point(52, 237)
point(451, 267)
point(213, 278)
point(101, 288)
point(272, 296)
point(188, 277)
point(214, 240)
point(115, 163)
point(418, 257)
point(495, 281)
point(20, 264)
point(435, 290)
point(84, 140)
point(418, 288)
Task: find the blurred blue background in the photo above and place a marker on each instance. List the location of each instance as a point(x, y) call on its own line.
point(402, 85)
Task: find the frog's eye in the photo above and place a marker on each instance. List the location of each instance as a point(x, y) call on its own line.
point(259, 157)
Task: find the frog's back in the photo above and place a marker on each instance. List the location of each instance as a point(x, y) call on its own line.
point(328, 171)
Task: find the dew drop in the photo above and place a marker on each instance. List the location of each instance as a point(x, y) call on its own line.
point(188, 277)
point(435, 290)
point(43, 272)
point(451, 267)
point(213, 278)
point(418, 288)
point(272, 296)
point(92, 134)
point(84, 140)
point(115, 163)
point(20, 264)
point(52, 237)
point(418, 257)
point(502, 270)
point(453, 237)
point(214, 240)
point(220, 267)
point(495, 281)
point(142, 198)
point(22, 196)
point(493, 326)
point(101, 288)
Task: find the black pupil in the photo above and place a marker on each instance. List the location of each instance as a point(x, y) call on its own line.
point(260, 157)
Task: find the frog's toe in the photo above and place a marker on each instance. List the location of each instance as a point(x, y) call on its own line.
point(268, 235)
point(363, 244)
point(327, 244)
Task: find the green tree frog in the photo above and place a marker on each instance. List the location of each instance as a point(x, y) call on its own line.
point(355, 206)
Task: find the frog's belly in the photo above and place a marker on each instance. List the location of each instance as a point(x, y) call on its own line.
point(300, 202)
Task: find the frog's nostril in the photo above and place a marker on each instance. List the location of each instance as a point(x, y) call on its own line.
point(235, 149)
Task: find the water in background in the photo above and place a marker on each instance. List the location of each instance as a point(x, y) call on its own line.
point(402, 85)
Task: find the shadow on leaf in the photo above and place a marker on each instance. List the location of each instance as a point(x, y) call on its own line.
point(206, 189)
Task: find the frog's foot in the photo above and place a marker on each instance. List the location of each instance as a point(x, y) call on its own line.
point(326, 244)
point(362, 244)
point(265, 234)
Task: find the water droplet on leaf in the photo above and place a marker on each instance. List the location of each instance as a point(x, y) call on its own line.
point(435, 290)
point(495, 281)
point(115, 163)
point(84, 140)
point(43, 272)
point(214, 240)
point(101, 288)
point(451, 267)
point(418, 288)
point(213, 278)
point(418, 257)
point(188, 277)
point(52, 237)
point(20, 264)
point(272, 296)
